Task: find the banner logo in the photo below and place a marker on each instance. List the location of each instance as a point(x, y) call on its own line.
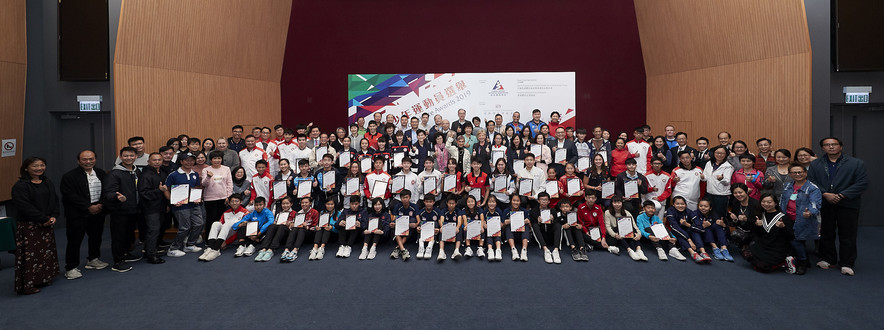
point(497, 90)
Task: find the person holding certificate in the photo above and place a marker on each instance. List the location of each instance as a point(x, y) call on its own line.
point(277, 230)
point(571, 186)
point(376, 226)
point(498, 150)
point(349, 224)
point(537, 176)
point(567, 216)
point(473, 221)
point(773, 232)
point(408, 180)
point(516, 221)
point(591, 217)
point(304, 184)
point(645, 221)
point(327, 219)
point(515, 154)
point(546, 228)
point(327, 179)
point(406, 213)
point(630, 185)
point(283, 185)
point(429, 173)
point(540, 150)
point(251, 228)
point(563, 151)
point(221, 229)
point(688, 230)
point(303, 224)
point(451, 181)
point(187, 211)
point(493, 229)
point(262, 183)
point(621, 226)
point(502, 184)
point(451, 215)
point(596, 177)
point(551, 187)
point(352, 185)
point(477, 183)
point(381, 190)
point(428, 219)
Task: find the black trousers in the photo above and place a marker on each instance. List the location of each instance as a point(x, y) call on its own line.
point(244, 239)
point(551, 233)
point(122, 230)
point(296, 238)
point(574, 237)
point(321, 237)
point(347, 237)
point(274, 235)
point(153, 222)
point(77, 228)
point(214, 210)
point(841, 222)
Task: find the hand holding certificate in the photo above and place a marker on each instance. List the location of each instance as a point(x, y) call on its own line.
point(397, 159)
point(582, 164)
point(500, 182)
point(526, 187)
point(493, 224)
point(552, 188)
point(323, 220)
point(282, 218)
point(495, 155)
point(536, 150)
point(476, 193)
point(402, 227)
point(545, 216)
point(572, 218)
point(196, 195)
point(428, 231)
point(429, 185)
point(328, 179)
point(660, 231)
point(252, 228)
point(351, 222)
point(608, 190)
point(398, 184)
point(379, 189)
point(373, 224)
point(624, 227)
point(449, 183)
point(574, 186)
point(280, 188)
point(561, 155)
point(299, 219)
point(518, 165)
point(517, 222)
point(630, 189)
point(595, 233)
point(365, 164)
point(304, 188)
point(474, 230)
point(449, 231)
point(344, 159)
point(180, 193)
point(352, 186)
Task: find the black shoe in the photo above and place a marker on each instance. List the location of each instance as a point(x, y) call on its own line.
point(575, 255)
point(162, 243)
point(155, 260)
point(801, 267)
point(583, 255)
point(121, 267)
point(129, 257)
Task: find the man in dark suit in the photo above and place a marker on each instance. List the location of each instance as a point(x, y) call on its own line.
point(681, 139)
point(411, 134)
point(561, 142)
point(83, 210)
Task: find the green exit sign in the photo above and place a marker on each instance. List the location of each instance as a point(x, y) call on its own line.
point(856, 98)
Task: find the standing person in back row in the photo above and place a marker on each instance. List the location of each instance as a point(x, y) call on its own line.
point(121, 194)
point(153, 205)
point(236, 142)
point(137, 142)
point(842, 180)
point(640, 150)
point(83, 210)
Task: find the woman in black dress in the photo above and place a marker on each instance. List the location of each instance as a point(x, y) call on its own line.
point(36, 203)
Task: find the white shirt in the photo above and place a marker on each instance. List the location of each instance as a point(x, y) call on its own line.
point(410, 184)
point(94, 186)
point(643, 161)
point(713, 184)
point(248, 158)
point(658, 181)
point(538, 177)
point(434, 174)
point(688, 185)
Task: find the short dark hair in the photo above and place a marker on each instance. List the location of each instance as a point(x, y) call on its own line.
point(702, 138)
point(134, 139)
point(277, 126)
point(763, 139)
point(630, 161)
point(128, 149)
point(235, 127)
point(405, 192)
point(640, 129)
point(164, 149)
point(649, 203)
point(543, 194)
point(260, 199)
point(260, 161)
point(535, 111)
point(747, 156)
point(830, 138)
point(681, 133)
point(216, 154)
point(236, 196)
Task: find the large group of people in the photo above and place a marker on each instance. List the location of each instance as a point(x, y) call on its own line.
point(471, 187)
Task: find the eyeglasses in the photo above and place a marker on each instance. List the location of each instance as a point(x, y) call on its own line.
point(831, 145)
point(797, 173)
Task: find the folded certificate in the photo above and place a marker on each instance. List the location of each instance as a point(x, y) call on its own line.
point(344, 159)
point(493, 224)
point(595, 233)
point(328, 179)
point(365, 164)
point(252, 228)
point(280, 188)
point(428, 231)
point(500, 182)
point(397, 159)
point(402, 225)
point(179, 193)
point(574, 186)
point(373, 224)
point(449, 230)
point(546, 216)
point(476, 193)
point(526, 187)
point(572, 218)
point(608, 190)
point(630, 189)
point(304, 188)
point(561, 155)
point(351, 222)
point(552, 188)
point(353, 186)
point(323, 220)
point(474, 230)
point(282, 218)
point(583, 164)
point(429, 185)
point(196, 195)
point(624, 227)
point(449, 182)
point(398, 184)
point(518, 165)
point(660, 231)
point(517, 222)
point(379, 189)
point(536, 150)
point(299, 219)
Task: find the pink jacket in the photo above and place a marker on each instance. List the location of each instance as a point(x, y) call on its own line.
point(219, 186)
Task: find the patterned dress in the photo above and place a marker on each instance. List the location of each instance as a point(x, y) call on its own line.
point(36, 258)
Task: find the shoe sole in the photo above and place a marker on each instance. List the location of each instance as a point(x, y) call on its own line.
point(95, 268)
point(121, 270)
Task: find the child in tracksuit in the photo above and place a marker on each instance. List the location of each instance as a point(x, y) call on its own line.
point(715, 234)
point(649, 218)
point(323, 233)
point(277, 230)
point(263, 217)
point(352, 217)
point(451, 214)
point(220, 230)
point(403, 209)
point(432, 215)
point(299, 232)
point(492, 213)
point(371, 238)
point(573, 233)
point(688, 231)
point(471, 214)
point(546, 228)
point(511, 237)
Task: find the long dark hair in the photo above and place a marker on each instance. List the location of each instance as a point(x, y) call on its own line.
point(233, 175)
point(23, 171)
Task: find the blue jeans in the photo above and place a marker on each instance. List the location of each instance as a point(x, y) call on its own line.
point(190, 225)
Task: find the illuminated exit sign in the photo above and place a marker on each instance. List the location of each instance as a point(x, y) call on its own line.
point(857, 94)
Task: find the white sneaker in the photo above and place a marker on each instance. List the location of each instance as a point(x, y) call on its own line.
point(175, 253)
point(441, 256)
point(395, 253)
point(312, 254)
point(641, 255)
point(213, 255)
point(515, 254)
point(661, 254)
point(192, 248)
point(456, 255)
point(364, 253)
point(420, 251)
point(468, 252)
point(249, 250)
point(341, 250)
point(260, 256)
point(480, 253)
point(673, 252)
point(524, 255)
point(372, 253)
point(633, 255)
point(498, 255)
point(348, 251)
point(320, 254)
point(95, 264)
point(555, 256)
point(847, 271)
point(614, 250)
point(547, 256)
point(203, 256)
point(73, 274)
point(267, 256)
point(239, 251)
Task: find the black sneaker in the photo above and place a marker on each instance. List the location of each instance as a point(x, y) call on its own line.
point(129, 257)
point(162, 243)
point(575, 255)
point(583, 255)
point(155, 260)
point(121, 267)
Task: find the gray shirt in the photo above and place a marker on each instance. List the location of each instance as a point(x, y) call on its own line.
point(230, 158)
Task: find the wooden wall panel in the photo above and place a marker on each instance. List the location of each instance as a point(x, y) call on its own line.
point(13, 75)
point(197, 67)
point(737, 66)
